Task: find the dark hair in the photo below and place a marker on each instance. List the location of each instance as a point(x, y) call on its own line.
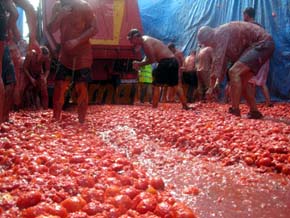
point(250, 12)
point(171, 45)
point(44, 50)
point(132, 33)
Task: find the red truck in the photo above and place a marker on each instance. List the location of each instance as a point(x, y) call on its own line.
point(112, 52)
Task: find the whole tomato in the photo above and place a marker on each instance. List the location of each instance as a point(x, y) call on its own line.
point(73, 204)
point(157, 183)
point(130, 191)
point(93, 208)
point(182, 211)
point(57, 210)
point(163, 209)
point(28, 199)
point(146, 205)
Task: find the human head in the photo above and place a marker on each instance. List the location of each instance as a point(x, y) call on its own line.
point(133, 33)
point(44, 50)
point(249, 14)
point(205, 35)
point(135, 38)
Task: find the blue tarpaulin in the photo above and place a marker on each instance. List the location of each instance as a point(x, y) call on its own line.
point(178, 21)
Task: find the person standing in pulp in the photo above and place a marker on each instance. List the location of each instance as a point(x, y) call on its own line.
point(77, 24)
point(7, 24)
point(166, 72)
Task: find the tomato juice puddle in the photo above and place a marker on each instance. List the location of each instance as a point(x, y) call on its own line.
point(208, 187)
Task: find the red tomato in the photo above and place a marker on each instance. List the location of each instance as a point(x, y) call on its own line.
point(265, 161)
point(130, 191)
point(86, 181)
point(140, 197)
point(93, 208)
point(93, 195)
point(249, 160)
point(191, 190)
point(57, 210)
point(141, 184)
point(146, 205)
point(157, 183)
point(163, 209)
point(126, 180)
point(77, 159)
point(182, 211)
point(33, 212)
point(112, 191)
point(123, 203)
point(73, 204)
point(28, 199)
point(286, 169)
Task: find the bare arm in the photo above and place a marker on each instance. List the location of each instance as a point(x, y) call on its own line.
point(47, 67)
point(150, 55)
point(32, 23)
point(58, 14)
point(92, 30)
point(30, 15)
point(13, 16)
point(91, 27)
point(26, 69)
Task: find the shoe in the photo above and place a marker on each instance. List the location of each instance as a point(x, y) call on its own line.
point(270, 105)
point(186, 107)
point(235, 112)
point(255, 115)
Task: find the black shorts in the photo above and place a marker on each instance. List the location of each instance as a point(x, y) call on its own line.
point(190, 78)
point(256, 56)
point(64, 73)
point(8, 71)
point(166, 73)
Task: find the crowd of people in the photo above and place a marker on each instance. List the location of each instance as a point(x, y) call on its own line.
point(240, 49)
point(237, 50)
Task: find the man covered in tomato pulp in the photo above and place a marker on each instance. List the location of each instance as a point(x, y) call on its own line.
point(36, 67)
point(8, 18)
point(76, 21)
point(166, 72)
point(248, 46)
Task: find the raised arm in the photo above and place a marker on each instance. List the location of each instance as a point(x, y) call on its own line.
point(32, 22)
point(58, 13)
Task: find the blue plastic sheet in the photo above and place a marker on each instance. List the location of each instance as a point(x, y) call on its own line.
point(178, 21)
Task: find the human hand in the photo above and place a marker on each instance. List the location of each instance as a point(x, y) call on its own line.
point(136, 65)
point(33, 81)
point(70, 44)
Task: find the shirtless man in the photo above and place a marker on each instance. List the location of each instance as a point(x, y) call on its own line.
point(9, 23)
point(77, 24)
point(246, 45)
point(204, 58)
point(167, 71)
point(36, 70)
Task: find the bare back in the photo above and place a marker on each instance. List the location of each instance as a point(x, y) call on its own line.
point(156, 50)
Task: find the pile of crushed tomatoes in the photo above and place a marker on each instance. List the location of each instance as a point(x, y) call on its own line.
point(66, 169)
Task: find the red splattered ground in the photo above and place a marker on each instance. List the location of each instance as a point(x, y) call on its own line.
point(217, 164)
